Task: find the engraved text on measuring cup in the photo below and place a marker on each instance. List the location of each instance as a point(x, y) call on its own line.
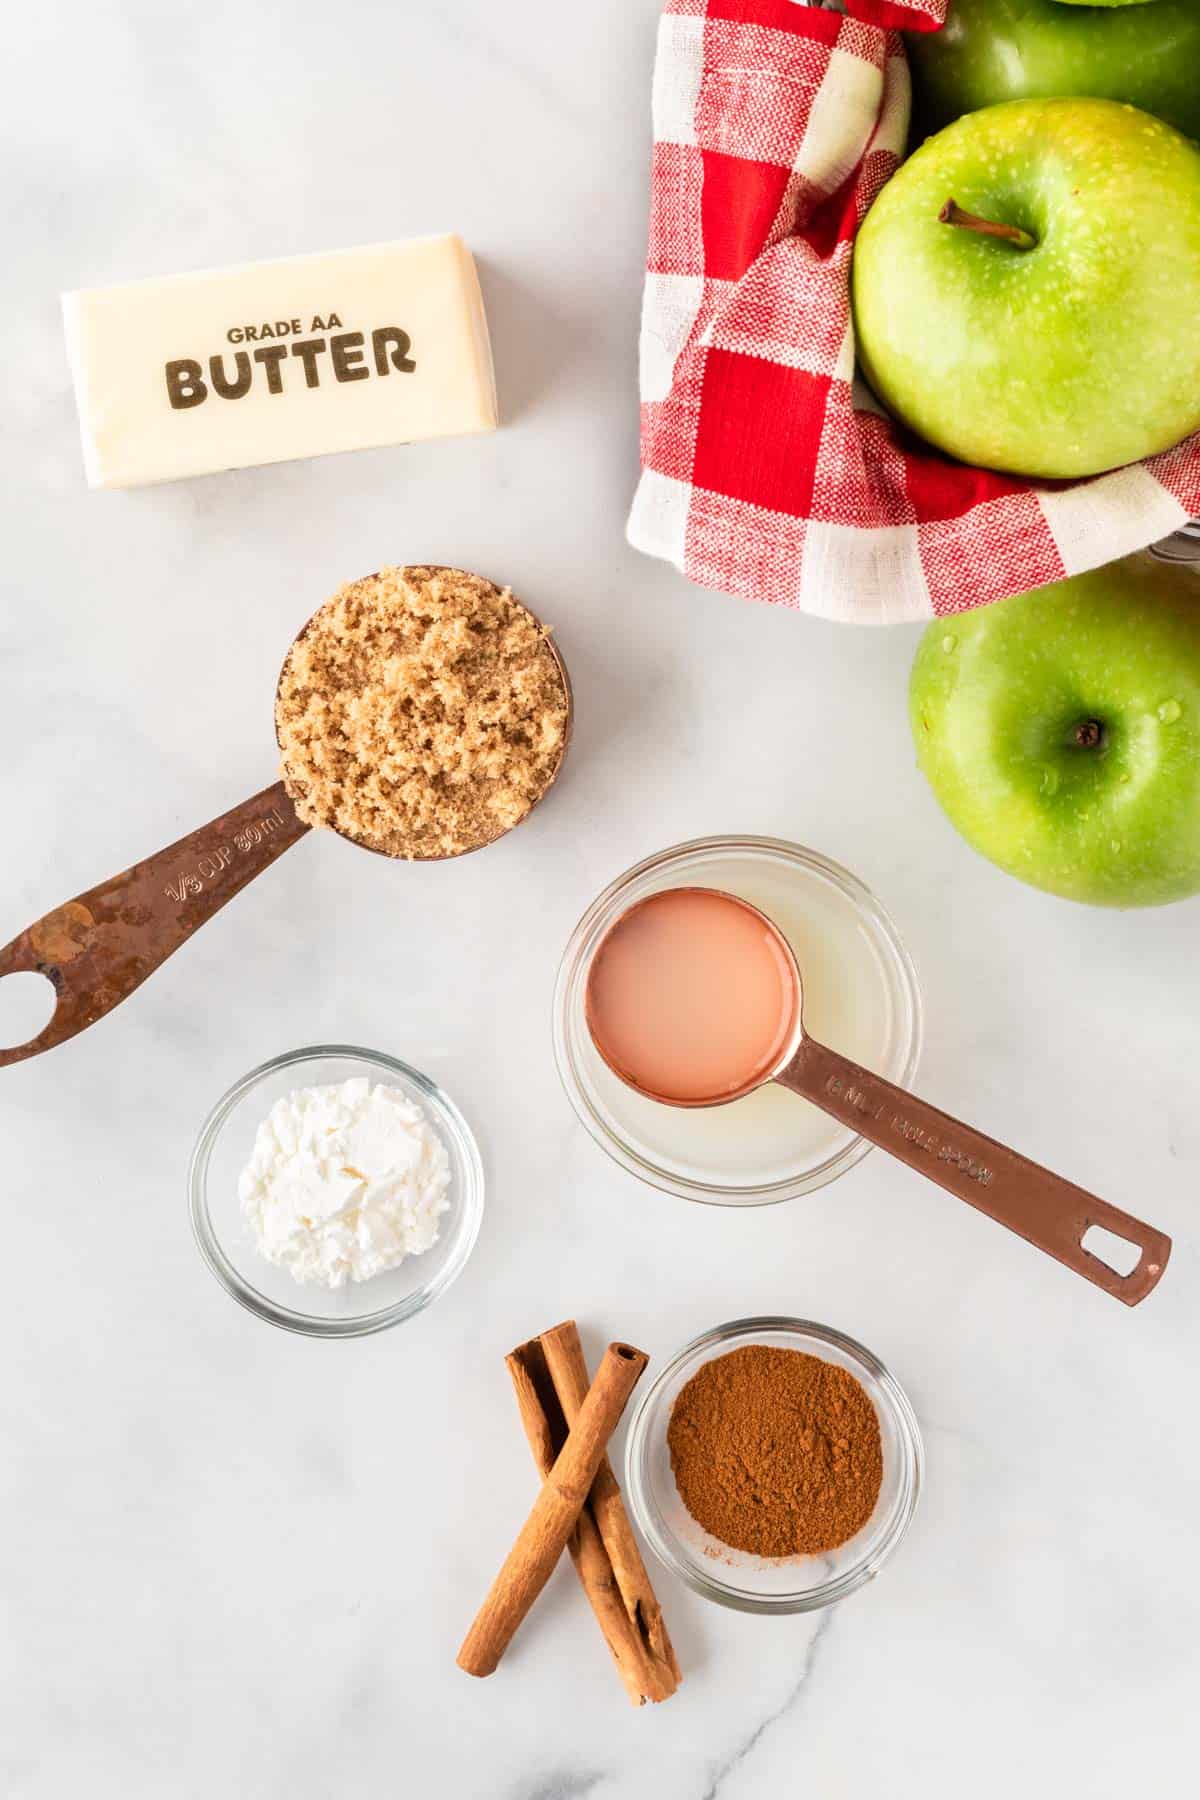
point(214, 862)
point(863, 1102)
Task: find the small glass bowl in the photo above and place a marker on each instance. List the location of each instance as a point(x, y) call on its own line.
point(871, 977)
point(227, 1244)
point(770, 1584)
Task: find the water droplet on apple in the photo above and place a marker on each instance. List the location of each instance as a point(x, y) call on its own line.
point(949, 642)
point(1169, 711)
point(1116, 846)
point(1124, 776)
point(1049, 780)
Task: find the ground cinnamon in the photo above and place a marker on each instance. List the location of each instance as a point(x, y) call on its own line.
point(775, 1452)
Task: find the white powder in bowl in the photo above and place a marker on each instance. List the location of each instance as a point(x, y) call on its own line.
point(344, 1182)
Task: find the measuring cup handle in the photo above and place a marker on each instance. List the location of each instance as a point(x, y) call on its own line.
point(97, 948)
point(1039, 1206)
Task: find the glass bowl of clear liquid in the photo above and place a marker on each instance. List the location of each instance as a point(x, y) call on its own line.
point(861, 996)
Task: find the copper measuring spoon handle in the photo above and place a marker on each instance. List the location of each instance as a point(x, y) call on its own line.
point(1039, 1206)
point(99, 947)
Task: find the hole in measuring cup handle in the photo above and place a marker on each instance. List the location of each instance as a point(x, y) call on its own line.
point(1118, 1253)
point(28, 1000)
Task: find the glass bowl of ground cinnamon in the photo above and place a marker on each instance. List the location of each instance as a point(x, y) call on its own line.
point(774, 1465)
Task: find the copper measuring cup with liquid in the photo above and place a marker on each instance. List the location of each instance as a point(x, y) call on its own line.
point(685, 1059)
point(96, 949)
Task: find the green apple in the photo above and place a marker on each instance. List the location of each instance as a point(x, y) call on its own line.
point(1026, 288)
point(1146, 52)
point(1060, 731)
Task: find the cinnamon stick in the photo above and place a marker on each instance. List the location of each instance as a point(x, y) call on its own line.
point(543, 1537)
point(546, 1429)
point(568, 1371)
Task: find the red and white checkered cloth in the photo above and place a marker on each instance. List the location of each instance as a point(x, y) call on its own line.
point(765, 471)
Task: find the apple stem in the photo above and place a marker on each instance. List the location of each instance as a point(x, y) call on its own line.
point(953, 214)
point(1089, 734)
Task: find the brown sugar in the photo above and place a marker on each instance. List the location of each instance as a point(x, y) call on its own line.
point(422, 713)
point(775, 1452)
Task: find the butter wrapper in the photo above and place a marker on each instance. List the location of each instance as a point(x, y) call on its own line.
point(229, 368)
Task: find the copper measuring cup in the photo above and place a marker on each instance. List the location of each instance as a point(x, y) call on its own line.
point(97, 948)
point(1052, 1214)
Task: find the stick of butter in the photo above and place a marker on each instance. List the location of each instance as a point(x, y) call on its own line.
point(228, 368)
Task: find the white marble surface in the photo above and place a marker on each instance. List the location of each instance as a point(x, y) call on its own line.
point(234, 1562)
